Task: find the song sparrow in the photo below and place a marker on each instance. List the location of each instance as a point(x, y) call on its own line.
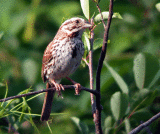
point(61, 58)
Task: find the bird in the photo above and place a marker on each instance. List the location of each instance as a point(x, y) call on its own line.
point(61, 58)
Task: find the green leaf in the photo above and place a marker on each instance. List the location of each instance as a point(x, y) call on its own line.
point(85, 7)
point(110, 130)
point(86, 41)
point(97, 44)
point(119, 104)
point(152, 67)
point(105, 15)
point(144, 98)
point(157, 76)
point(29, 68)
point(5, 94)
point(81, 125)
point(150, 98)
point(24, 108)
point(1, 34)
point(121, 83)
point(145, 70)
point(2, 84)
point(158, 6)
point(108, 122)
point(127, 125)
point(139, 70)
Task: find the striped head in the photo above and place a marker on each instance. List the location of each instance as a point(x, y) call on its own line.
point(74, 27)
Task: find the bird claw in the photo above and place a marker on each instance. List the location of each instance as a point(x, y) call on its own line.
point(77, 88)
point(59, 87)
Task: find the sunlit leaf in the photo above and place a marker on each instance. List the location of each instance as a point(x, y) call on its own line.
point(145, 69)
point(85, 7)
point(29, 68)
point(1, 34)
point(158, 6)
point(139, 70)
point(86, 41)
point(119, 104)
point(127, 125)
point(105, 16)
point(2, 84)
point(108, 122)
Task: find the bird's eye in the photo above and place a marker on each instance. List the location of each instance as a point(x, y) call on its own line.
point(77, 21)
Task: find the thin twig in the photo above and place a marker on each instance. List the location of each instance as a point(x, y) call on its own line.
point(100, 64)
point(45, 90)
point(85, 61)
point(101, 15)
point(93, 27)
point(91, 71)
point(145, 124)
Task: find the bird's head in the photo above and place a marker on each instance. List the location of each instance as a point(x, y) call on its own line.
point(75, 26)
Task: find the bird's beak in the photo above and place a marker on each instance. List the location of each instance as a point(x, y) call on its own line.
point(87, 25)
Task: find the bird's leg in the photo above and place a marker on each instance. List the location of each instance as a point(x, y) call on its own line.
point(78, 86)
point(58, 87)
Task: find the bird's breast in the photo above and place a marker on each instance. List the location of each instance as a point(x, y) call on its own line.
point(67, 55)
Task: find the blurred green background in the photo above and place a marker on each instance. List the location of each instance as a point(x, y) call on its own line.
point(26, 28)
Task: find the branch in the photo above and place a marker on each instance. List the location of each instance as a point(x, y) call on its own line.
point(101, 15)
point(91, 72)
point(145, 124)
point(85, 61)
point(45, 90)
point(100, 64)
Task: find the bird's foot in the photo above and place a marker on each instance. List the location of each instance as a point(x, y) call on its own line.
point(77, 86)
point(58, 87)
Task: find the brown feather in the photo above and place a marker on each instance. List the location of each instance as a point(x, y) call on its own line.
point(47, 104)
point(47, 57)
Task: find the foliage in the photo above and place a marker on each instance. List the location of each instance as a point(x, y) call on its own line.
point(129, 78)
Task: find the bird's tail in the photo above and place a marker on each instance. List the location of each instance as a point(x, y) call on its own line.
point(47, 104)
